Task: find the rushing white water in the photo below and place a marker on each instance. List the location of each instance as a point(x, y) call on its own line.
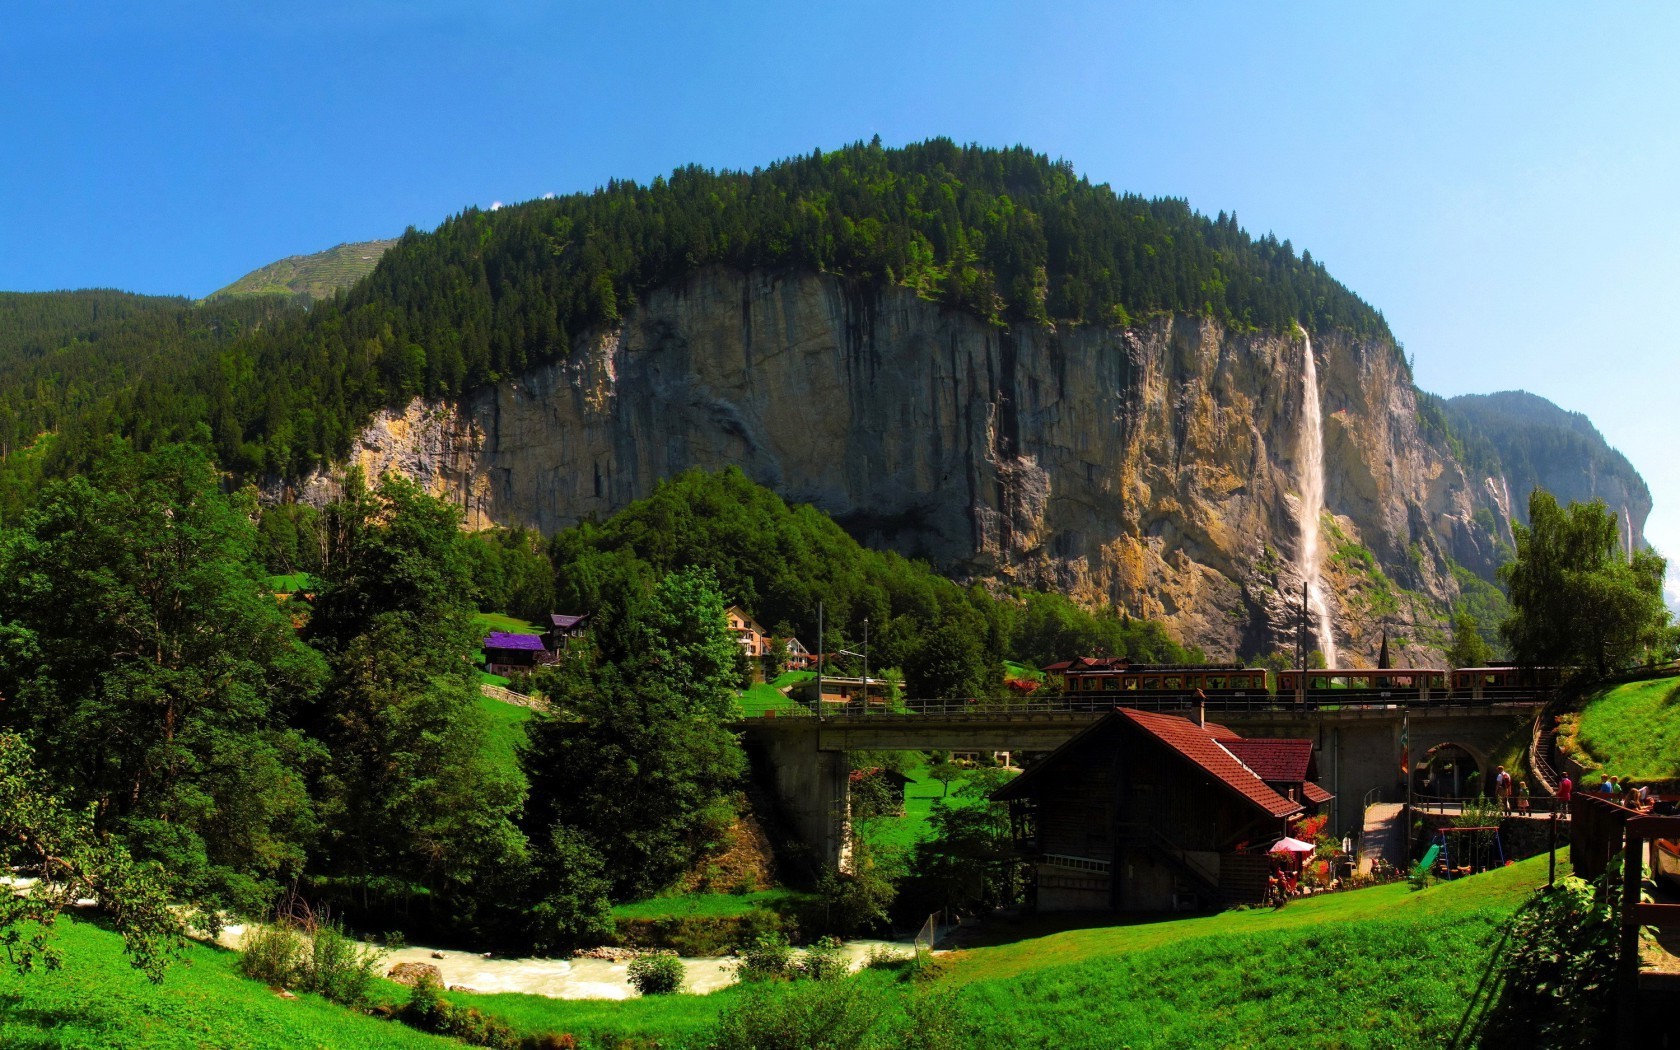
point(1312, 503)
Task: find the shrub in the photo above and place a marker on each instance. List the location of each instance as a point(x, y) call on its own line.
point(767, 958)
point(339, 968)
point(427, 1011)
point(824, 961)
point(272, 955)
point(659, 974)
point(322, 960)
point(820, 1016)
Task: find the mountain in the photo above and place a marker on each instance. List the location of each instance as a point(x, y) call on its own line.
point(317, 276)
point(1152, 466)
point(970, 355)
point(1535, 444)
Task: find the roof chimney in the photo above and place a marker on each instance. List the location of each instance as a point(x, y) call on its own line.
point(1201, 708)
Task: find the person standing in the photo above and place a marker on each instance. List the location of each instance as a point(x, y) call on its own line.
point(1566, 790)
point(1502, 788)
point(1522, 798)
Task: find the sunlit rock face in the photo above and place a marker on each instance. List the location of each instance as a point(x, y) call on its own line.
point(1153, 468)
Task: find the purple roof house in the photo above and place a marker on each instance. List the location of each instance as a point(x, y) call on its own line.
point(505, 651)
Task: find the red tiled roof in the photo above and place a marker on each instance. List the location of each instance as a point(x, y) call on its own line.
point(1219, 732)
point(1274, 760)
point(1199, 746)
point(1315, 794)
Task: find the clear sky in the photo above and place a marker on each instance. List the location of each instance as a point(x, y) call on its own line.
point(1501, 180)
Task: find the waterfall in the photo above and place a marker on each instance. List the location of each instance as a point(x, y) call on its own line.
point(1312, 503)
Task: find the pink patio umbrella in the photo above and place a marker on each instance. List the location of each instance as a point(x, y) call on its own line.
point(1289, 845)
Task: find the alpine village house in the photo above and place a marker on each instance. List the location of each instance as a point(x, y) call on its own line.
point(1152, 812)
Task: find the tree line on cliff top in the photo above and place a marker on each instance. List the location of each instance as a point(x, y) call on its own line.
point(1005, 234)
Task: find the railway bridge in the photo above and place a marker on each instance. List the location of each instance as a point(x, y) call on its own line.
point(1357, 741)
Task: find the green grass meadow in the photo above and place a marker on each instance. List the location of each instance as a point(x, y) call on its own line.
point(1633, 730)
point(1381, 967)
point(98, 1000)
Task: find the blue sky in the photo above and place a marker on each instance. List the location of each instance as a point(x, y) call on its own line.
point(1499, 179)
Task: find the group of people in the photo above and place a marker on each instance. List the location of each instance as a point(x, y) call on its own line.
point(1511, 793)
point(1615, 789)
point(1627, 794)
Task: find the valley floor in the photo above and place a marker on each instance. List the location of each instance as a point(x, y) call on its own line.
point(1384, 967)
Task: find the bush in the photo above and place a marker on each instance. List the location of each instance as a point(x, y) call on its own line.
point(824, 961)
point(767, 958)
point(659, 974)
point(324, 961)
point(339, 968)
point(272, 955)
point(427, 1011)
point(830, 1015)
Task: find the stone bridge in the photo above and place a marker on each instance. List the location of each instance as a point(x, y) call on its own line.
point(1357, 746)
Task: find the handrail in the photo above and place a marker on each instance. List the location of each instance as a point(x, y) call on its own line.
point(1372, 798)
point(1537, 760)
point(1102, 703)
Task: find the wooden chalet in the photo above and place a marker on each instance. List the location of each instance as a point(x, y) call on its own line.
point(1152, 812)
point(566, 630)
point(506, 653)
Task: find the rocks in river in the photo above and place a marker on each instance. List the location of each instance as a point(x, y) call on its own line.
point(437, 955)
point(412, 973)
point(463, 988)
point(607, 953)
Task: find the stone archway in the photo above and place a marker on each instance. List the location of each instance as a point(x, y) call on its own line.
point(1451, 769)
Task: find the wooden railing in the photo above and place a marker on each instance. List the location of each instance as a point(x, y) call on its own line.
point(508, 696)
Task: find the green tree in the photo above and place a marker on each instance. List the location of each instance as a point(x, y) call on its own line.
point(949, 664)
point(38, 832)
point(416, 809)
point(1577, 599)
point(1468, 648)
point(970, 858)
point(155, 675)
point(644, 765)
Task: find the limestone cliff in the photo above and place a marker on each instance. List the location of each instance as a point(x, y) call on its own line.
point(1152, 467)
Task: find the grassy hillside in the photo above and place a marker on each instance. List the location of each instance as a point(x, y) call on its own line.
point(317, 276)
point(97, 1000)
point(1379, 967)
point(1633, 730)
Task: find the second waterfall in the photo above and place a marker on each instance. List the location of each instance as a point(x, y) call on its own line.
point(1312, 504)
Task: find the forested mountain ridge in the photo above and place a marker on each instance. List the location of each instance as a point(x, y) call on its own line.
point(319, 275)
point(1004, 235)
point(1532, 443)
point(970, 355)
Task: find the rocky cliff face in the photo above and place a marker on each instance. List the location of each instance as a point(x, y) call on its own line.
point(1153, 467)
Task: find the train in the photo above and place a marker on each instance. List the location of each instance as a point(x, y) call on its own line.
point(1121, 677)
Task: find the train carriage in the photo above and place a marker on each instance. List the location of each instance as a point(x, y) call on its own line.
point(1332, 684)
point(1121, 679)
point(1504, 681)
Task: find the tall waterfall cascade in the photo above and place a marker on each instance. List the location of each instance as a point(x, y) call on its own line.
point(1312, 504)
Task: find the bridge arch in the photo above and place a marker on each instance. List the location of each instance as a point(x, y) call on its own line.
point(1451, 769)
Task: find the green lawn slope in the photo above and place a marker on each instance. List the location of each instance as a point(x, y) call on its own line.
point(1379, 967)
point(1383, 967)
point(97, 1000)
point(1633, 730)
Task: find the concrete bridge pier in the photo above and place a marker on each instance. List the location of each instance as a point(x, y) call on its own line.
point(814, 787)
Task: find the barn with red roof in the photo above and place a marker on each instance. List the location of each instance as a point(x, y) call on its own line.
point(1152, 812)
